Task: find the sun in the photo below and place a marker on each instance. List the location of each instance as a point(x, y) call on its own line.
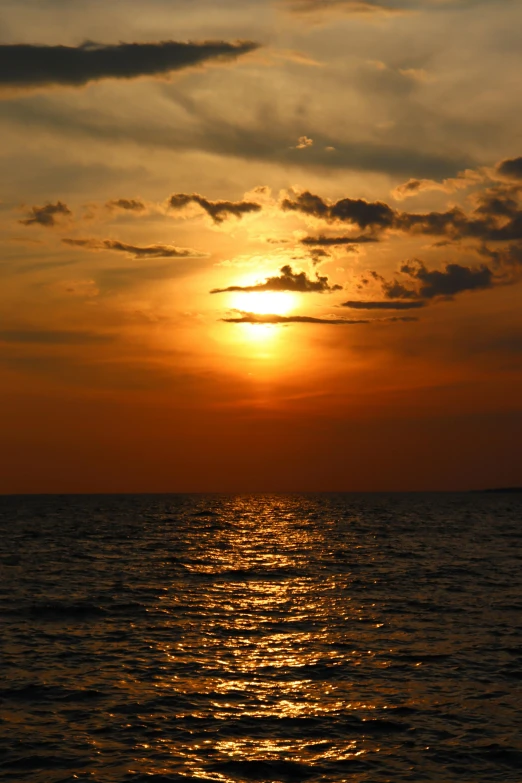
point(264, 302)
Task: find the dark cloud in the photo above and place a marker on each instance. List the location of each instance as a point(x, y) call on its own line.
point(364, 214)
point(506, 259)
point(395, 290)
point(409, 188)
point(258, 318)
point(487, 222)
point(453, 222)
point(454, 279)
point(317, 255)
point(511, 168)
point(52, 337)
point(324, 241)
point(46, 215)
point(498, 202)
point(422, 283)
point(127, 204)
point(497, 217)
point(218, 210)
point(288, 280)
point(307, 203)
point(28, 65)
point(147, 251)
point(384, 305)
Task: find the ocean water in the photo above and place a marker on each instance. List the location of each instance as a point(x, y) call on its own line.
point(360, 638)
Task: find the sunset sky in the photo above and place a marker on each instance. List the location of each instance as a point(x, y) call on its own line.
point(260, 245)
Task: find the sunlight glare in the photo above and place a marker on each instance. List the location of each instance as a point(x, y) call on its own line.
point(264, 302)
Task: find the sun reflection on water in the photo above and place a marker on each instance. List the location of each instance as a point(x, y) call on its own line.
point(261, 642)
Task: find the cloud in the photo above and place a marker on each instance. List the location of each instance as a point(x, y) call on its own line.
point(147, 251)
point(487, 222)
point(365, 214)
point(497, 216)
point(46, 215)
point(52, 337)
point(417, 74)
point(318, 255)
point(288, 280)
point(422, 285)
point(127, 204)
point(507, 259)
point(411, 188)
point(303, 142)
point(259, 318)
point(384, 305)
point(454, 279)
point(501, 201)
point(324, 241)
point(321, 8)
point(211, 131)
point(218, 210)
point(318, 9)
point(415, 186)
point(30, 65)
point(511, 168)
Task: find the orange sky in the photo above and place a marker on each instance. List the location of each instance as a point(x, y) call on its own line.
point(351, 171)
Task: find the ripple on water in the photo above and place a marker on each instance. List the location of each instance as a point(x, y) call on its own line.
point(285, 638)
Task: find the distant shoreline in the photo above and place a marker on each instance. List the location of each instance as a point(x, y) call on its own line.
point(229, 493)
point(501, 489)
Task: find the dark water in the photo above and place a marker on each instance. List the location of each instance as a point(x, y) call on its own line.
point(285, 638)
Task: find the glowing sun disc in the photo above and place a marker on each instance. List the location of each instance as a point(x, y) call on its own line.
point(264, 302)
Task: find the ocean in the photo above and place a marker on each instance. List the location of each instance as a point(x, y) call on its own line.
point(329, 637)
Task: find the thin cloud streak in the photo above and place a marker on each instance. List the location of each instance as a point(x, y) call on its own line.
point(325, 241)
point(262, 318)
point(383, 305)
point(137, 251)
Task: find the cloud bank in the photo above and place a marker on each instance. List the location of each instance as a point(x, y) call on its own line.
point(31, 65)
point(497, 216)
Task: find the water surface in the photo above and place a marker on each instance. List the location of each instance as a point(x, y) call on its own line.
point(364, 638)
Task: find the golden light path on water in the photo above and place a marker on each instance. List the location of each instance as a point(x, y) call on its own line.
point(265, 643)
